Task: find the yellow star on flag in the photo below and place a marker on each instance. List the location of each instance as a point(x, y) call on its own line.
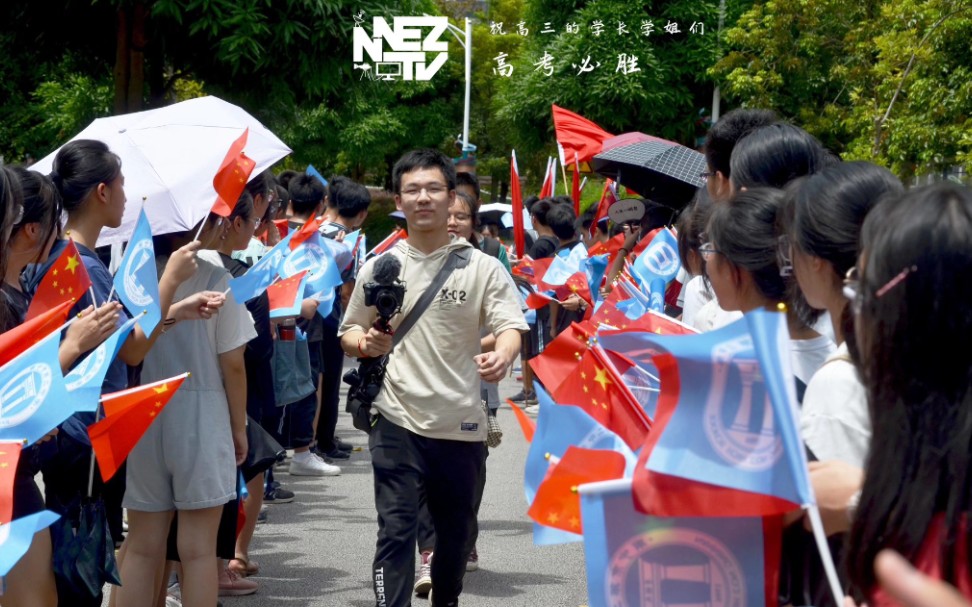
point(574, 522)
point(162, 389)
point(553, 517)
point(72, 263)
point(54, 284)
point(602, 378)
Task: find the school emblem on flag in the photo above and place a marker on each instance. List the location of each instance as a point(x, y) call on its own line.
point(141, 254)
point(24, 393)
point(647, 569)
point(738, 413)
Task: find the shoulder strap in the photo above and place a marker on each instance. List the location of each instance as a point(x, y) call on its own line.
point(458, 258)
point(491, 246)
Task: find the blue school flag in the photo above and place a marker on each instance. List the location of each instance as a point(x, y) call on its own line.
point(734, 423)
point(595, 268)
point(33, 399)
point(637, 560)
point(658, 260)
point(312, 171)
point(16, 537)
point(137, 280)
point(84, 381)
point(261, 274)
point(317, 257)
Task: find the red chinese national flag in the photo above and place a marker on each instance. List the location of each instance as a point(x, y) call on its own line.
point(577, 134)
point(66, 280)
point(549, 179)
point(561, 356)
point(576, 284)
point(516, 194)
point(389, 242)
point(284, 293)
point(607, 199)
point(595, 387)
point(527, 425)
point(15, 341)
point(231, 178)
point(306, 231)
point(128, 414)
point(9, 455)
point(557, 503)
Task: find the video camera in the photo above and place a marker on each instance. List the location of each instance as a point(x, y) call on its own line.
point(386, 293)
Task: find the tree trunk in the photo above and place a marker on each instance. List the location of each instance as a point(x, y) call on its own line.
point(121, 71)
point(136, 80)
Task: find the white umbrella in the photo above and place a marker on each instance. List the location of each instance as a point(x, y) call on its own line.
point(170, 156)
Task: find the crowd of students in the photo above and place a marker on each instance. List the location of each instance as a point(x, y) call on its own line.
point(873, 277)
point(219, 427)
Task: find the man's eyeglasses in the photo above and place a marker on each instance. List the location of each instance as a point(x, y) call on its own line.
point(432, 191)
point(706, 174)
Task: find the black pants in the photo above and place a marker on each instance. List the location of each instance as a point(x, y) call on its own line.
point(426, 530)
point(449, 471)
point(332, 368)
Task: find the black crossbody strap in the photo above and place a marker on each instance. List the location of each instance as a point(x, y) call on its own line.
point(458, 258)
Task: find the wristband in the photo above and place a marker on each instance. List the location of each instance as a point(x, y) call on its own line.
point(361, 351)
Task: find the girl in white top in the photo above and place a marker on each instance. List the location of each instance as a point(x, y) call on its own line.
point(823, 219)
point(740, 257)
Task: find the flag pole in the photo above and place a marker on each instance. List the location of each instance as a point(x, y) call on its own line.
point(563, 172)
point(92, 465)
point(825, 556)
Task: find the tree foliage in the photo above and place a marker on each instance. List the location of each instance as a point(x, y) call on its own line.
point(882, 80)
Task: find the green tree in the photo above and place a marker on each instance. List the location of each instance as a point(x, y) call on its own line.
point(882, 80)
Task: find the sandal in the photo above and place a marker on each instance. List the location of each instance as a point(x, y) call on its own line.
point(243, 566)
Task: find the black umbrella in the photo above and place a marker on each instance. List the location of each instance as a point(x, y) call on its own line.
point(85, 555)
point(663, 171)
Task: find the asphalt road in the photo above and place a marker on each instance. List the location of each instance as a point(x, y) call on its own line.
point(317, 550)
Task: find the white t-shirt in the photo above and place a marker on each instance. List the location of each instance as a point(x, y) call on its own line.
point(808, 355)
point(834, 420)
point(432, 383)
point(711, 316)
point(695, 295)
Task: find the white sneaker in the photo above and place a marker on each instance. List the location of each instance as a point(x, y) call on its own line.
point(312, 465)
point(532, 409)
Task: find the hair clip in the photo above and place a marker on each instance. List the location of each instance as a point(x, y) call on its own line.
point(894, 281)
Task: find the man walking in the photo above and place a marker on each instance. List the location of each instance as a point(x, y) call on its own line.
point(431, 427)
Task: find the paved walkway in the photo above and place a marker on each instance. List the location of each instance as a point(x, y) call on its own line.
point(317, 550)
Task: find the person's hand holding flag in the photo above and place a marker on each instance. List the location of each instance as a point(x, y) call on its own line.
point(93, 326)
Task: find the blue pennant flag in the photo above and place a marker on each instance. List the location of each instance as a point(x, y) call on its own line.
point(317, 256)
point(559, 427)
point(595, 268)
point(659, 260)
point(262, 274)
point(314, 172)
point(84, 381)
point(33, 399)
point(16, 537)
point(727, 415)
point(643, 561)
point(137, 280)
